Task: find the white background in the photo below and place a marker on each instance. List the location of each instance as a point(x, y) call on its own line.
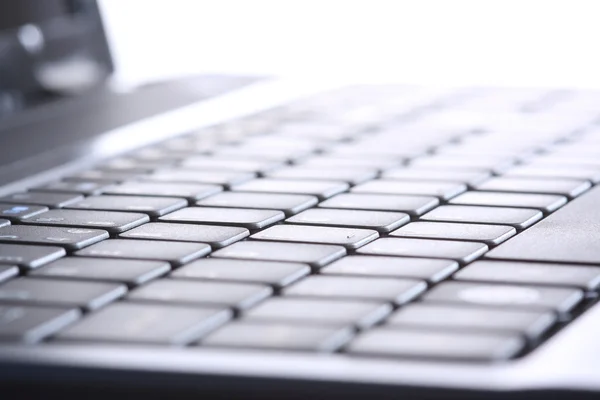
point(525, 43)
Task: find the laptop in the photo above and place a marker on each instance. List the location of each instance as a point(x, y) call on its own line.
point(243, 237)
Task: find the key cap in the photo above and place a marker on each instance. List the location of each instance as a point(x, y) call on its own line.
point(561, 300)
point(237, 295)
point(530, 323)
point(249, 219)
point(104, 176)
point(564, 187)
point(470, 178)
point(147, 323)
point(315, 255)
point(153, 206)
point(347, 237)
point(412, 205)
point(463, 252)
point(54, 292)
point(29, 257)
point(113, 222)
point(216, 236)
point(223, 178)
point(398, 291)
point(290, 204)
point(52, 200)
point(361, 314)
point(189, 191)
point(231, 164)
point(421, 343)
point(489, 234)
point(315, 130)
point(69, 238)
point(14, 212)
point(76, 187)
point(567, 236)
point(471, 163)
point(572, 172)
point(584, 277)
point(441, 189)
point(544, 202)
point(321, 189)
point(520, 218)
point(331, 161)
point(278, 274)
point(380, 221)
point(176, 253)
point(279, 336)
point(432, 270)
point(130, 272)
point(8, 272)
point(32, 324)
point(352, 176)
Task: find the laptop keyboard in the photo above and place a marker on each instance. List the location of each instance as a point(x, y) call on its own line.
point(356, 222)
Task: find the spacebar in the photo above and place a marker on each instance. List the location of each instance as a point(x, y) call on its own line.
point(570, 235)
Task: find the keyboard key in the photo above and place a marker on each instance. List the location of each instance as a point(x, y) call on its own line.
point(29, 257)
point(470, 163)
point(69, 238)
point(412, 205)
point(216, 236)
point(113, 222)
point(315, 255)
point(352, 176)
point(278, 274)
point(15, 212)
point(520, 218)
point(290, 204)
point(564, 187)
point(347, 237)
point(130, 272)
point(420, 174)
point(532, 273)
point(147, 323)
point(190, 191)
point(176, 253)
point(54, 292)
point(4, 222)
point(104, 176)
point(332, 161)
point(223, 178)
point(561, 300)
point(231, 164)
point(530, 323)
point(432, 270)
point(77, 187)
point(544, 202)
point(279, 336)
point(463, 252)
point(489, 234)
point(32, 324)
point(419, 343)
point(565, 172)
point(248, 151)
point(399, 291)
point(8, 272)
point(441, 189)
point(236, 295)
point(361, 314)
point(52, 200)
point(321, 189)
point(383, 222)
point(567, 236)
point(247, 218)
point(153, 206)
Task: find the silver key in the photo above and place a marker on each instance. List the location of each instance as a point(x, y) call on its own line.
point(347, 237)
point(489, 234)
point(380, 221)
